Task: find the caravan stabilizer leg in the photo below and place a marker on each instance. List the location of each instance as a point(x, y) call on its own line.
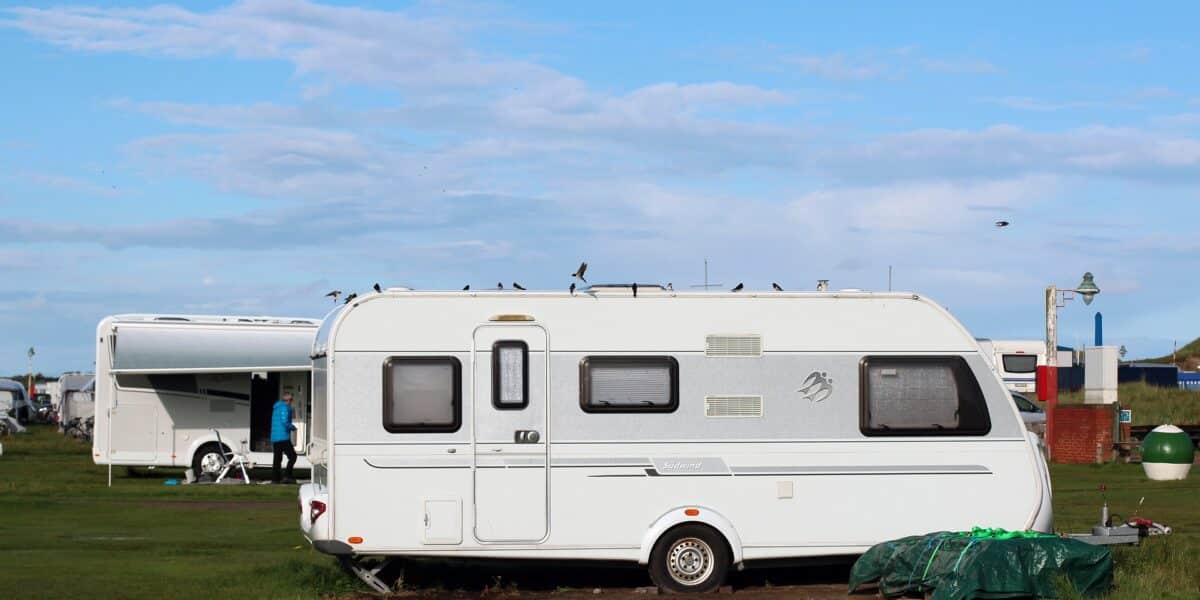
point(366, 573)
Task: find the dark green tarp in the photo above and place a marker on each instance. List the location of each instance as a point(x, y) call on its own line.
point(984, 563)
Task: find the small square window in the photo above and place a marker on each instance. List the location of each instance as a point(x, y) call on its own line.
point(422, 394)
point(510, 375)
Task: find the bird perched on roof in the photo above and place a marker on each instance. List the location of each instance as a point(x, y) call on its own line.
point(467, 287)
point(334, 294)
point(517, 286)
point(635, 290)
point(499, 285)
point(572, 288)
point(350, 297)
point(670, 288)
point(775, 286)
point(737, 288)
point(1002, 224)
point(377, 288)
point(580, 271)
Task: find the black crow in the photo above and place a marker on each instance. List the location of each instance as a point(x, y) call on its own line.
point(737, 288)
point(499, 285)
point(466, 287)
point(334, 294)
point(517, 286)
point(1002, 223)
point(635, 290)
point(351, 297)
point(572, 288)
point(775, 286)
point(377, 288)
point(580, 271)
point(670, 288)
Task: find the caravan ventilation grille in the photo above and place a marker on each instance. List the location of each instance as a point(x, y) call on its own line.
point(733, 345)
point(733, 406)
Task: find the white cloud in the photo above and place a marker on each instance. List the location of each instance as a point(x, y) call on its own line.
point(840, 67)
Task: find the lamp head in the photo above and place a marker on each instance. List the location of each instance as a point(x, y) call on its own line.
point(1087, 288)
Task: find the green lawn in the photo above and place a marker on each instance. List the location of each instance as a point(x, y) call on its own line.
point(63, 533)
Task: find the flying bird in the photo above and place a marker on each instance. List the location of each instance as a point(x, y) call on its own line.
point(737, 288)
point(1002, 223)
point(334, 294)
point(572, 288)
point(635, 290)
point(775, 286)
point(377, 288)
point(580, 271)
point(350, 297)
point(499, 285)
point(467, 287)
point(517, 286)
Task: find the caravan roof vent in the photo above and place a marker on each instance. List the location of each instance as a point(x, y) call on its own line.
point(745, 345)
point(733, 406)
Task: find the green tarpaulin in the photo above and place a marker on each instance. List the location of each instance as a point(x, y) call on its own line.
point(984, 563)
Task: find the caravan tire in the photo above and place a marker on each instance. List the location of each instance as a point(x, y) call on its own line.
point(207, 459)
point(690, 558)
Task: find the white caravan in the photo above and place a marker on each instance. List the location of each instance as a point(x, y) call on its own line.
point(15, 406)
point(76, 398)
point(689, 432)
point(165, 383)
point(1016, 361)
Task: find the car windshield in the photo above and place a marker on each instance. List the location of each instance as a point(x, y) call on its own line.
point(1025, 404)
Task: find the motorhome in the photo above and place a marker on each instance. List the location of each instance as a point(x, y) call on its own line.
point(15, 403)
point(686, 432)
point(76, 400)
point(167, 385)
point(1016, 361)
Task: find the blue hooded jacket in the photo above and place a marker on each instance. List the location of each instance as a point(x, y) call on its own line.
point(281, 422)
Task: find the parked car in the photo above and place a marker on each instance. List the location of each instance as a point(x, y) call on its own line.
point(1032, 415)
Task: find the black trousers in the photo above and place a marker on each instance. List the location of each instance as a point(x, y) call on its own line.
point(280, 449)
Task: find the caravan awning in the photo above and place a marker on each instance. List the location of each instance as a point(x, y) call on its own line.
point(204, 348)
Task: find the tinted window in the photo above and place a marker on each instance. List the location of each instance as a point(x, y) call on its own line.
point(629, 384)
point(921, 396)
point(422, 394)
point(1020, 363)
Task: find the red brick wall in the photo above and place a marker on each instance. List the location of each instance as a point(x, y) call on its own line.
point(1077, 431)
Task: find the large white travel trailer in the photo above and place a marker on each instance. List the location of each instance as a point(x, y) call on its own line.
point(1016, 361)
point(76, 398)
point(688, 432)
point(166, 384)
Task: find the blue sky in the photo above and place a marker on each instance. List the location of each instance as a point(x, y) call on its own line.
point(246, 158)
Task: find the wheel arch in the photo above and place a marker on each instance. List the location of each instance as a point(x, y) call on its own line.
point(704, 516)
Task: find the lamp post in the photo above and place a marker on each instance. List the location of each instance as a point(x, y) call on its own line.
point(1056, 298)
point(29, 383)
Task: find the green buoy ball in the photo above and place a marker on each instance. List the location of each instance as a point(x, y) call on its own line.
point(1167, 453)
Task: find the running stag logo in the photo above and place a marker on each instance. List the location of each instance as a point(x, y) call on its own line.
point(816, 387)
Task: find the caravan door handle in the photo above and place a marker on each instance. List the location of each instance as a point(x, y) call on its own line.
point(526, 436)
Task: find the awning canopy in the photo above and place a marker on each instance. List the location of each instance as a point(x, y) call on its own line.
point(205, 348)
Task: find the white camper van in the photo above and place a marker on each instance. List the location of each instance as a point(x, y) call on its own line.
point(689, 432)
point(164, 383)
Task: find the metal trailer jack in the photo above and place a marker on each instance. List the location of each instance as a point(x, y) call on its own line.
point(1121, 531)
point(368, 573)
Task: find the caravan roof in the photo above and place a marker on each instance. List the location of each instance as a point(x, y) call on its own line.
point(200, 344)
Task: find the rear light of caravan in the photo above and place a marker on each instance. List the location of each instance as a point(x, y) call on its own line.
point(316, 508)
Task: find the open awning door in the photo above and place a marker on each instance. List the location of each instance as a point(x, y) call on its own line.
point(203, 348)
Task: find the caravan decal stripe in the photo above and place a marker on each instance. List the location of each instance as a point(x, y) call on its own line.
point(867, 470)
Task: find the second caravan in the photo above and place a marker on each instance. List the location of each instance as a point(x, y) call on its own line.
point(166, 386)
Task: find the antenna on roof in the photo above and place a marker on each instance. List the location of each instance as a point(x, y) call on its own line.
point(706, 285)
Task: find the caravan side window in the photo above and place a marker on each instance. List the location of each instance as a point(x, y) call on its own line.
point(510, 375)
point(422, 394)
point(629, 384)
point(921, 396)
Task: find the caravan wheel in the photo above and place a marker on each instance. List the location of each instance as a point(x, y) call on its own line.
point(690, 558)
point(208, 459)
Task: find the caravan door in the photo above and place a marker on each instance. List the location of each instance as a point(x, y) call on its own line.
point(511, 431)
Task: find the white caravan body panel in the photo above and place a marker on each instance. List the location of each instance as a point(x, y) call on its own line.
point(765, 439)
point(164, 383)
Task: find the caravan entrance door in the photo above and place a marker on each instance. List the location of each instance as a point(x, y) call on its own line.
point(510, 424)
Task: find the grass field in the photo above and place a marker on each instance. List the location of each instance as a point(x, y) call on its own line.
point(1152, 405)
point(64, 534)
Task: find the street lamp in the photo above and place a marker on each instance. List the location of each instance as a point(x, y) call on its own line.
point(29, 382)
point(1056, 298)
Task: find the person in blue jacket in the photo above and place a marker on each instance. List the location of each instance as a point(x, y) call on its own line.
point(281, 438)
